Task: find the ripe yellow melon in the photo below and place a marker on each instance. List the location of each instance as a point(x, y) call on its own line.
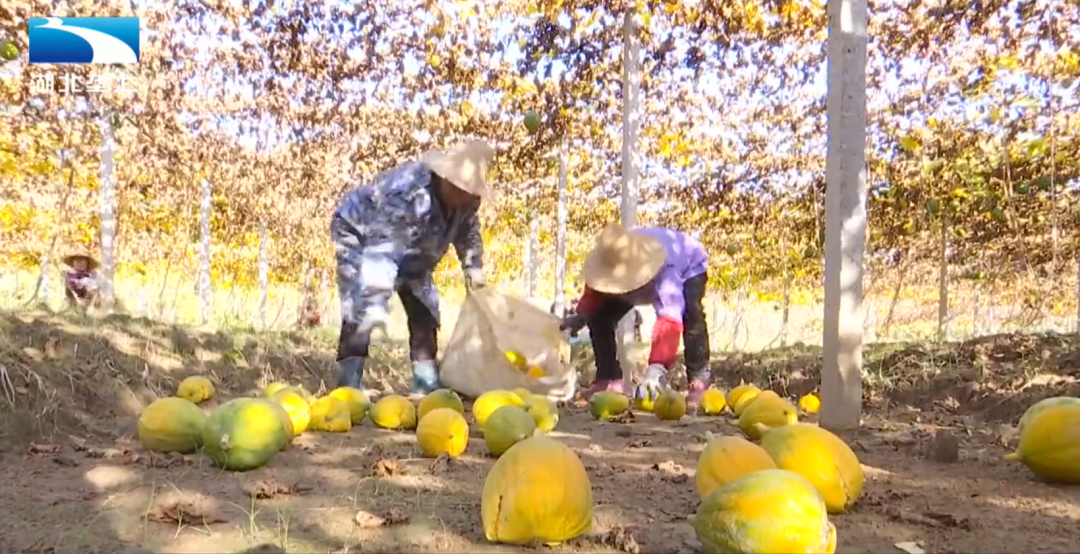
point(544, 412)
point(810, 403)
point(296, 407)
point(172, 425)
point(1050, 444)
point(274, 388)
point(286, 420)
point(822, 458)
point(196, 388)
point(487, 403)
point(606, 405)
point(726, 459)
point(517, 361)
point(522, 393)
point(442, 431)
point(1039, 406)
point(506, 427)
point(441, 398)
point(538, 491)
point(356, 400)
point(331, 414)
point(394, 412)
point(311, 398)
point(771, 511)
point(713, 401)
point(768, 411)
point(670, 406)
point(245, 433)
point(740, 396)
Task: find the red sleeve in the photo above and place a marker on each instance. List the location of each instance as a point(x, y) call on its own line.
point(589, 303)
point(665, 341)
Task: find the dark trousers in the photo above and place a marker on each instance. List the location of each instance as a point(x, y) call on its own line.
point(695, 333)
point(423, 332)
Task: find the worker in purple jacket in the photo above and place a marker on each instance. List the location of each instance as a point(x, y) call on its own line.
point(662, 267)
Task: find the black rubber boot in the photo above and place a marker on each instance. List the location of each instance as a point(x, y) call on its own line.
point(352, 372)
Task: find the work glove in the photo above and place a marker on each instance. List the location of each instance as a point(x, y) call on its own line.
point(652, 385)
point(474, 279)
point(572, 323)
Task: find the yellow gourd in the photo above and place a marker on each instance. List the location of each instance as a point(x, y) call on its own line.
point(356, 400)
point(246, 433)
point(767, 411)
point(286, 420)
point(1039, 406)
point(394, 412)
point(274, 388)
point(442, 431)
point(810, 403)
point(1050, 444)
point(506, 427)
point(196, 388)
point(670, 406)
point(331, 414)
point(172, 425)
point(311, 398)
point(544, 412)
point(538, 491)
point(606, 405)
point(487, 403)
point(713, 401)
point(441, 398)
point(822, 458)
point(645, 404)
point(740, 397)
point(726, 459)
point(296, 407)
point(766, 512)
point(517, 361)
point(523, 394)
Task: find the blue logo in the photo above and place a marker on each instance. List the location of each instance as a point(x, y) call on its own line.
point(94, 40)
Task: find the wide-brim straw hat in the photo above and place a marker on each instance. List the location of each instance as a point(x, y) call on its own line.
point(464, 165)
point(91, 263)
point(622, 261)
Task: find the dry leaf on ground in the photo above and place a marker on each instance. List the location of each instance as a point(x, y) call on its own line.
point(368, 520)
point(441, 464)
point(620, 539)
point(183, 513)
point(386, 468)
point(269, 488)
point(36, 448)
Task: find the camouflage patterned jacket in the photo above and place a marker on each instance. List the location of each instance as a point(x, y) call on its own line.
point(390, 235)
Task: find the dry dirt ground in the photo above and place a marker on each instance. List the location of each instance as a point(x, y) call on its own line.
point(78, 482)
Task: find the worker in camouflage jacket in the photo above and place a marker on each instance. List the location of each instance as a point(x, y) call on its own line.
point(389, 235)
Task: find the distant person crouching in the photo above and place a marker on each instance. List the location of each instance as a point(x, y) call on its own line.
point(80, 280)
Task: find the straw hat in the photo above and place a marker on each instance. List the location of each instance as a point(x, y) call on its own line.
point(91, 263)
point(464, 165)
point(622, 261)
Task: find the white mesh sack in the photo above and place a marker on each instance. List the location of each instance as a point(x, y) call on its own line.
point(490, 324)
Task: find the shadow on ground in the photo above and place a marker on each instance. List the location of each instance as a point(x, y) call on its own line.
point(73, 389)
